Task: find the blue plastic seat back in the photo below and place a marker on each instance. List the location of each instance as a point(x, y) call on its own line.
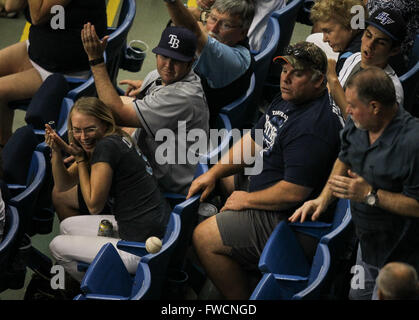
point(238, 110)
point(410, 80)
point(118, 38)
point(219, 144)
point(318, 276)
point(107, 274)
point(61, 122)
point(286, 17)
point(283, 286)
point(108, 279)
point(268, 288)
point(283, 253)
point(188, 213)
point(142, 287)
point(9, 237)
point(159, 262)
point(264, 58)
point(17, 155)
point(340, 225)
point(45, 105)
point(24, 173)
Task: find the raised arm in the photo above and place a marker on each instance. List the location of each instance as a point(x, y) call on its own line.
point(124, 113)
point(64, 178)
point(335, 88)
point(181, 16)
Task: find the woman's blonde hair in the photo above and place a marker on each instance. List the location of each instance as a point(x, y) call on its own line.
point(338, 10)
point(94, 107)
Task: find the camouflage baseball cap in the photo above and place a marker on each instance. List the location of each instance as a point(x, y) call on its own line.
point(304, 55)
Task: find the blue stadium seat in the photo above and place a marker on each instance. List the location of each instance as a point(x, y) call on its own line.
point(318, 229)
point(221, 146)
point(24, 173)
point(62, 121)
point(263, 59)
point(108, 279)
point(6, 245)
point(188, 213)
point(50, 104)
point(308, 286)
point(284, 256)
point(123, 285)
point(238, 111)
point(286, 17)
point(115, 49)
point(410, 80)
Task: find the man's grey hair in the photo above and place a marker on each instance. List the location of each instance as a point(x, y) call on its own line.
point(398, 281)
point(373, 83)
point(243, 8)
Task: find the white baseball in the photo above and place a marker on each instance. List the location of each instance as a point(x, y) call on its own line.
point(153, 245)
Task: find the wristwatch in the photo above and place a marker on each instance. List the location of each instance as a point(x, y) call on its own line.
point(372, 198)
point(170, 1)
point(96, 61)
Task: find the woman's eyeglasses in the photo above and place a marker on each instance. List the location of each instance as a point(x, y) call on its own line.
point(87, 131)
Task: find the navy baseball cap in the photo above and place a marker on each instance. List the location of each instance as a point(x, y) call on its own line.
point(177, 43)
point(389, 22)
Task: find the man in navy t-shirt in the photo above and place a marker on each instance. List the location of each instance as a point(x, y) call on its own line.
point(300, 143)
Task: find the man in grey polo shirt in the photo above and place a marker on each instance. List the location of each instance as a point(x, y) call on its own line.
point(378, 170)
point(171, 98)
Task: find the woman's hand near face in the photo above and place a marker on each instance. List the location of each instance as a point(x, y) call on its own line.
point(54, 141)
point(50, 139)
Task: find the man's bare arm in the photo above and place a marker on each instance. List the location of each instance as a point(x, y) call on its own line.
point(124, 113)
point(181, 16)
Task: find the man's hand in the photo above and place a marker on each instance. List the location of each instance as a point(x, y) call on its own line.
point(313, 208)
point(205, 182)
point(205, 4)
point(236, 201)
point(93, 46)
point(353, 187)
point(134, 87)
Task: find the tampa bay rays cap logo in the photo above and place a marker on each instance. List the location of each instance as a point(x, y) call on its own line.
point(384, 18)
point(177, 43)
point(174, 41)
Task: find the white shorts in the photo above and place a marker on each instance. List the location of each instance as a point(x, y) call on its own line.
point(45, 73)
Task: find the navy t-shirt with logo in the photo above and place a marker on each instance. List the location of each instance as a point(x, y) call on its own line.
point(300, 143)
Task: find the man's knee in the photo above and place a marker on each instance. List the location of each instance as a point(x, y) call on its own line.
point(207, 238)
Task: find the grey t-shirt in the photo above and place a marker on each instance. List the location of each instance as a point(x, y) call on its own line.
point(139, 208)
point(173, 110)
